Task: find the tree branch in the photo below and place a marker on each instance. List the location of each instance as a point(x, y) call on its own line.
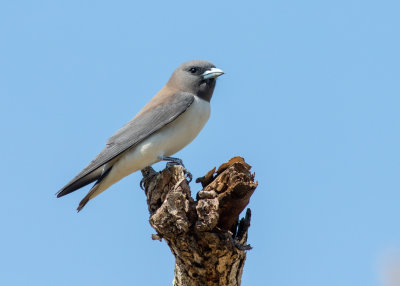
point(204, 235)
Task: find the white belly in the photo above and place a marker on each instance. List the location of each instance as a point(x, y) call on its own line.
point(169, 140)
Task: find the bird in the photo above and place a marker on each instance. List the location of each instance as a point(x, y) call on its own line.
point(165, 125)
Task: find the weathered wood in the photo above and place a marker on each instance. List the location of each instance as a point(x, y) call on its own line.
point(204, 235)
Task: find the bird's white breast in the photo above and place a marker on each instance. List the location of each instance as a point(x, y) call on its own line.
point(167, 141)
point(179, 133)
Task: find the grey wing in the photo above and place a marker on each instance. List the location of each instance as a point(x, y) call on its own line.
point(130, 135)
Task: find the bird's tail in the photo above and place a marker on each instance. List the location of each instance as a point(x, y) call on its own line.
point(94, 191)
point(81, 182)
point(88, 197)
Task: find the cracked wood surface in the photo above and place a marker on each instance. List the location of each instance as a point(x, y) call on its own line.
point(205, 235)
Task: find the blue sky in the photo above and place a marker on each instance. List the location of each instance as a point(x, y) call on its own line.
point(310, 99)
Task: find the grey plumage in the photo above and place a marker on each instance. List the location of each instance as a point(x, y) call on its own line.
point(128, 136)
point(190, 80)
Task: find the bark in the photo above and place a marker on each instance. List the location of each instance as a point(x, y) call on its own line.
point(205, 236)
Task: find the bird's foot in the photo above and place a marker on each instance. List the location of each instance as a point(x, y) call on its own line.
point(148, 174)
point(171, 161)
point(188, 175)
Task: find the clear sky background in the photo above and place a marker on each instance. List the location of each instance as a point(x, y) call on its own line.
point(310, 99)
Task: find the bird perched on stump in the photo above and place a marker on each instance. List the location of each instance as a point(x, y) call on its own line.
point(170, 121)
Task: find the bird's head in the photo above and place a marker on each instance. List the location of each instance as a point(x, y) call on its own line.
point(197, 77)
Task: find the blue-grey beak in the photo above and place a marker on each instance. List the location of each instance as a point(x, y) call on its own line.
point(212, 73)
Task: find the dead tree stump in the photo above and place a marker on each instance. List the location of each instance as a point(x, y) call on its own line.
point(205, 235)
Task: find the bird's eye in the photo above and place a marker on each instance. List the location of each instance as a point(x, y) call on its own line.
point(193, 70)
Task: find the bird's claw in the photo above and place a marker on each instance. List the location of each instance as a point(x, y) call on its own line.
point(174, 162)
point(188, 175)
point(179, 162)
point(142, 183)
point(148, 173)
point(171, 161)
